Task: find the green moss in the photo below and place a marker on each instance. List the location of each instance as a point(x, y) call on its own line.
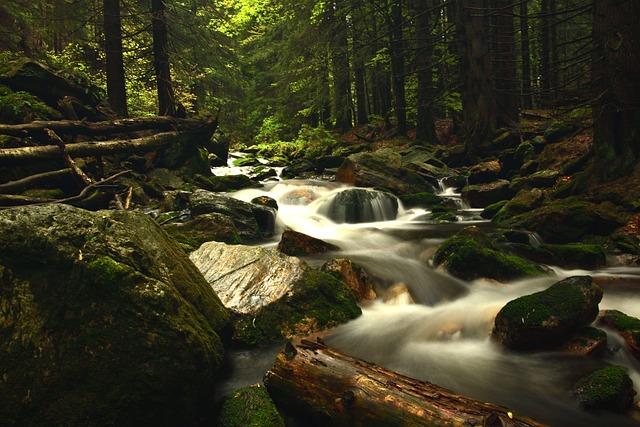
point(524, 201)
point(223, 183)
point(246, 161)
point(622, 322)
point(250, 407)
point(577, 255)
point(607, 388)
point(320, 301)
point(22, 107)
point(423, 199)
point(491, 210)
point(107, 271)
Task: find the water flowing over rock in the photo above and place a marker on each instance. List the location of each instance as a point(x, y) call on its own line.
point(356, 278)
point(299, 244)
point(104, 321)
point(357, 205)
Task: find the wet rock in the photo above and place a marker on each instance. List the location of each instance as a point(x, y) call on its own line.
point(609, 388)
point(628, 327)
point(483, 195)
point(357, 205)
point(262, 173)
point(470, 255)
point(548, 318)
point(328, 162)
point(585, 342)
point(490, 211)
point(398, 294)
point(443, 214)
point(250, 407)
point(299, 244)
point(224, 183)
point(204, 228)
point(246, 161)
point(524, 201)
point(274, 295)
point(568, 220)
point(301, 196)
point(165, 180)
point(353, 275)
point(105, 321)
point(423, 200)
point(383, 170)
point(265, 201)
point(541, 179)
point(569, 255)
point(298, 168)
point(455, 181)
point(484, 172)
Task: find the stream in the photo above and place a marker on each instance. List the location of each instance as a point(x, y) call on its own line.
point(442, 336)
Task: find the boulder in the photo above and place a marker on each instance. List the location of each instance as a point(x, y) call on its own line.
point(246, 161)
point(299, 244)
point(483, 195)
point(398, 294)
point(328, 162)
point(548, 318)
point(470, 254)
point(298, 168)
point(608, 388)
point(353, 275)
point(455, 181)
point(275, 296)
point(104, 321)
point(224, 183)
point(424, 200)
point(250, 407)
point(383, 170)
point(357, 205)
point(542, 179)
point(628, 327)
point(568, 255)
point(490, 211)
point(262, 173)
point(585, 342)
point(204, 228)
point(484, 172)
point(300, 196)
point(524, 201)
point(265, 201)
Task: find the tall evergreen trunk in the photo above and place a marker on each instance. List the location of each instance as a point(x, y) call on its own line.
point(359, 50)
point(396, 26)
point(478, 96)
point(504, 64)
point(527, 101)
point(545, 52)
point(116, 89)
point(425, 127)
point(616, 84)
point(340, 66)
point(554, 62)
point(166, 96)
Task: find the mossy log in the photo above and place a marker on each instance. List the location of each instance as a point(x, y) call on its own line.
point(38, 129)
point(319, 382)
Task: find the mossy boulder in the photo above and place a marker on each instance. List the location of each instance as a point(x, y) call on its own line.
point(246, 161)
point(104, 321)
point(568, 220)
point(548, 318)
point(586, 341)
point(558, 130)
point(353, 275)
point(628, 327)
point(568, 255)
point(422, 200)
point(483, 195)
point(484, 172)
point(204, 228)
point(540, 179)
point(224, 183)
point(299, 244)
point(470, 254)
point(265, 201)
point(22, 107)
point(608, 388)
point(490, 211)
point(250, 407)
point(524, 201)
point(443, 214)
point(357, 205)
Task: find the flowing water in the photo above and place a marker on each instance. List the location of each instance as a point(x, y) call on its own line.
point(441, 332)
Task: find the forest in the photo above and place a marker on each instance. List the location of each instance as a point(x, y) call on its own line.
point(270, 213)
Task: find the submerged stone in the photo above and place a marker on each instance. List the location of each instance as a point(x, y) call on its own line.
point(357, 205)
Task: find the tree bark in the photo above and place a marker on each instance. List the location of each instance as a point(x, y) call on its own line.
point(161, 64)
point(504, 64)
point(330, 388)
point(340, 63)
point(116, 89)
point(396, 48)
point(359, 50)
point(425, 126)
point(527, 101)
point(545, 52)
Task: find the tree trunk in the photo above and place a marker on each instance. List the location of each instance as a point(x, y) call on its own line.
point(359, 51)
point(554, 63)
point(325, 387)
point(504, 64)
point(545, 52)
point(425, 127)
point(116, 89)
point(526, 56)
point(396, 26)
point(340, 57)
point(478, 96)
point(616, 83)
point(166, 96)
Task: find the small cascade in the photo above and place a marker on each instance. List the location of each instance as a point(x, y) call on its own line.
point(358, 205)
point(450, 188)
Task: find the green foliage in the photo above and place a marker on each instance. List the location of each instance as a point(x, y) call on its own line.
point(250, 407)
point(22, 107)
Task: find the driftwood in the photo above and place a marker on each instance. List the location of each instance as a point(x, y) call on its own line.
point(73, 127)
point(331, 388)
point(14, 156)
point(52, 179)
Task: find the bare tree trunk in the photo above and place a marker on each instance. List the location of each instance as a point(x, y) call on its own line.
point(359, 50)
point(526, 56)
point(545, 52)
point(396, 26)
point(116, 89)
point(340, 63)
point(166, 96)
point(504, 64)
point(425, 127)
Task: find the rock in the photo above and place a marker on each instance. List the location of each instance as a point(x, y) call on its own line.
point(301, 196)
point(524, 201)
point(568, 220)
point(357, 205)
point(353, 275)
point(628, 327)
point(298, 244)
point(244, 215)
point(262, 173)
point(22, 107)
point(265, 201)
point(398, 294)
point(483, 195)
point(423, 200)
point(609, 388)
point(490, 211)
point(558, 130)
point(328, 162)
point(455, 181)
point(203, 228)
point(382, 170)
point(506, 139)
point(548, 318)
point(104, 321)
point(470, 255)
point(224, 183)
point(542, 179)
point(274, 295)
point(246, 161)
point(443, 214)
point(585, 342)
point(165, 180)
point(484, 172)
point(298, 168)
point(569, 255)
point(250, 407)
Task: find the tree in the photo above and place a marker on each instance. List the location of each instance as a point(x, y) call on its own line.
point(336, 13)
point(504, 63)
point(527, 101)
point(116, 90)
point(161, 65)
point(359, 51)
point(425, 127)
point(396, 44)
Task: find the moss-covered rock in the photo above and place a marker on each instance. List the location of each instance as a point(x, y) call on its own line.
point(568, 255)
point(353, 275)
point(250, 407)
point(628, 327)
point(586, 341)
point(246, 161)
point(104, 321)
point(423, 200)
point(490, 211)
point(470, 255)
point(608, 388)
point(224, 183)
point(22, 107)
point(524, 201)
point(484, 172)
point(298, 244)
point(204, 228)
point(483, 195)
point(265, 201)
point(548, 318)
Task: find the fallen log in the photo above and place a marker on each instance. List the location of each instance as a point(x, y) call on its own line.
point(52, 179)
point(74, 127)
point(13, 156)
point(332, 388)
